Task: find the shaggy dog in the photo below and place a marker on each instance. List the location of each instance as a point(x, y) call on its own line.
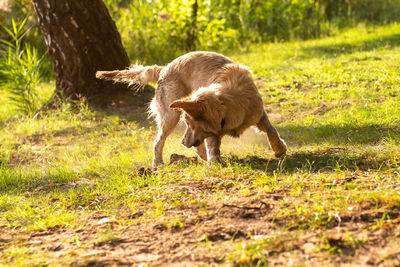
point(216, 96)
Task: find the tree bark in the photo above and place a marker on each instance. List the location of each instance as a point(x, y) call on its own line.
point(81, 38)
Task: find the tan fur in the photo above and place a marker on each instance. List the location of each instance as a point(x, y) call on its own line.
point(136, 75)
point(216, 96)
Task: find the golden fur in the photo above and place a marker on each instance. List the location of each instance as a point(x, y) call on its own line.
point(216, 96)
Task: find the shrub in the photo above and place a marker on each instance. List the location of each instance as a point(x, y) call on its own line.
point(20, 67)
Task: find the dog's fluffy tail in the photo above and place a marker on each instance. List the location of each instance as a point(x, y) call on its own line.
point(136, 75)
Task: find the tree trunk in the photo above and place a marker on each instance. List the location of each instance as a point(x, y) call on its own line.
point(192, 31)
point(81, 38)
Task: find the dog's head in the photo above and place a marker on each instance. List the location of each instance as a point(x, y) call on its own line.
point(203, 115)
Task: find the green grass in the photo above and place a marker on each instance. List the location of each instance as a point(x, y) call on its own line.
point(336, 103)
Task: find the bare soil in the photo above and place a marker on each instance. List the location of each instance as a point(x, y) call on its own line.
point(209, 239)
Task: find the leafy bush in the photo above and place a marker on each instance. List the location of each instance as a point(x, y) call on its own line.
point(20, 67)
point(154, 31)
point(269, 20)
point(348, 12)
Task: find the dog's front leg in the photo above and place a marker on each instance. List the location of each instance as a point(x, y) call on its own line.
point(158, 151)
point(201, 151)
point(213, 144)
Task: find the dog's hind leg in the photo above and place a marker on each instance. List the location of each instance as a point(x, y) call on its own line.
point(166, 124)
point(201, 151)
point(278, 145)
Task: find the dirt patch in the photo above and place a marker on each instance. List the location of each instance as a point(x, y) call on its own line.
point(159, 244)
point(192, 236)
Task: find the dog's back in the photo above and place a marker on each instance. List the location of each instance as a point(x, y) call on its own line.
point(195, 69)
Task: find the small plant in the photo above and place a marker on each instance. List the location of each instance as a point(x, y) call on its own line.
point(106, 236)
point(20, 67)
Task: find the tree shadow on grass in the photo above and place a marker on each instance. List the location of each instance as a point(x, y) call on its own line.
point(130, 106)
point(63, 181)
point(343, 48)
point(37, 183)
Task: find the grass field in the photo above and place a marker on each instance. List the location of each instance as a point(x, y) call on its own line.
point(75, 187)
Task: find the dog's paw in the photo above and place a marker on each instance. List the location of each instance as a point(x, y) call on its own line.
point(281, 152)
point(216, 160)
point(144, 171)
point(280, 148)
point(279, 155)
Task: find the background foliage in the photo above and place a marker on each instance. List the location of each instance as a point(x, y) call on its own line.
point(160, 30)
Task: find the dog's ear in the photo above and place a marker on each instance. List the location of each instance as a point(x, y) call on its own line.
point(192, 107)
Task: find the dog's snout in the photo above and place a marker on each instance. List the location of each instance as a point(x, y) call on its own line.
point(185, 143)
point(188, 144)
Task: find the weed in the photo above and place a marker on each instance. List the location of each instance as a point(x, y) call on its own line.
point(106, 237)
